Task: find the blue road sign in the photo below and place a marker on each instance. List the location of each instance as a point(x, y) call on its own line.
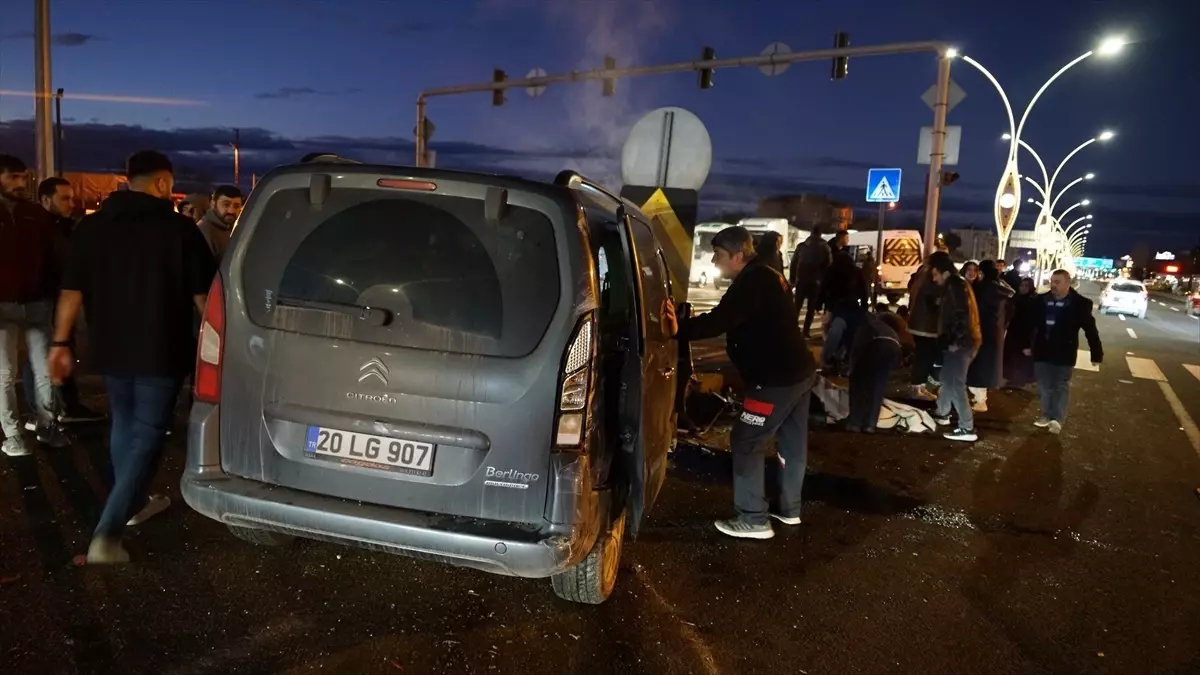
point(883, 185)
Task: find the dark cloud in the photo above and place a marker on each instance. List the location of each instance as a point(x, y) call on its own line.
point(202, 157)
point(59, 39)
point(303, 92)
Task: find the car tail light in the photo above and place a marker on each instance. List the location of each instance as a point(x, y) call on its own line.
point(404, 184)
point(211, 348)
point(575, 391)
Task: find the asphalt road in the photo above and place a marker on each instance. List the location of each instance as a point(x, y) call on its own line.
point(1024, 553)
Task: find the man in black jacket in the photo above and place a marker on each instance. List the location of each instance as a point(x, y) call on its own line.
point(810, 261)
point(1064, 312)
point(758, 317)
point(959, 337)
point(140, 271)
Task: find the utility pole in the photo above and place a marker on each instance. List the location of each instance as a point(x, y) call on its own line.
point(44, 132)
point(58, 134)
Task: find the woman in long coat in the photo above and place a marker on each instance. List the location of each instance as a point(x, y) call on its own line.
point(992, 295)
point(1018, 366)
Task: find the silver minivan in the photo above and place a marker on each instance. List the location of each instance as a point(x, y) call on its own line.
point(454, 366)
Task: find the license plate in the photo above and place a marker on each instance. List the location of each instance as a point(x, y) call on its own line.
point(370, 451)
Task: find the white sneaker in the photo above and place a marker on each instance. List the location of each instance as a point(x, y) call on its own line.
point(786, 520)
point(1041, 423)
point(106, 551)
point(156, 505)
point(736, 527)
point(14, 447)
point(1055, 427)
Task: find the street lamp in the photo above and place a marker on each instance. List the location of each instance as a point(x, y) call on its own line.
point(1009, 189)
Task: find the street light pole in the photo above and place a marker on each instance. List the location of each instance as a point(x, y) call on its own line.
point(43, 125)
point(1008, 192)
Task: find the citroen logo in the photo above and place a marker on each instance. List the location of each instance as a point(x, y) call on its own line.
point(373, 368)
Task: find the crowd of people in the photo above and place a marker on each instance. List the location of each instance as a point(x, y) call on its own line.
point(137, 270)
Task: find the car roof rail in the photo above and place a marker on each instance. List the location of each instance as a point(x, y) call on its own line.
point(575, 180)
point(326, 158)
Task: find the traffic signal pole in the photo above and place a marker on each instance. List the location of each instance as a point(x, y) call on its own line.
point(756, 61)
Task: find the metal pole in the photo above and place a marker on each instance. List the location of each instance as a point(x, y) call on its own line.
point(683, 67)
point(937, 152)
point(878, 252)
point(58, 136)
point(44, 132)
point(237, 159)
point(420, 130)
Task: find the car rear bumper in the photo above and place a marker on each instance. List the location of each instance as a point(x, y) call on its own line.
point(500, 548)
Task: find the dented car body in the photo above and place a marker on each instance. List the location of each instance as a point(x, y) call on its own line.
point(459, 367)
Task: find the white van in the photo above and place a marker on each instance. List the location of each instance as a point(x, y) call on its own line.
point(902, 255)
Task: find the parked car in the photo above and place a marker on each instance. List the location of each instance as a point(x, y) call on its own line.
point(1125, 296)
point(452, 366)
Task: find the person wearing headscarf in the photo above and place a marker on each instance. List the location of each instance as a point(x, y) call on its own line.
point(1018, 366)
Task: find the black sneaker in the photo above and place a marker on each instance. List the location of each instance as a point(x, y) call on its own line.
point(81, 415)
point(967, 436)
point(52, 436)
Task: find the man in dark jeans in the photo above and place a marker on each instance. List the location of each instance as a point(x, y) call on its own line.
point(1064, 312)
point(810, 260)
point(758, 317)
point(959, 335)
point(878, 349)
point(140, 271)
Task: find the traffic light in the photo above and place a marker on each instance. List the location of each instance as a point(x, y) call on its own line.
point(498, 76)
point(706, 74)
point(841, 64)
point(609, 84)
point(948, 177)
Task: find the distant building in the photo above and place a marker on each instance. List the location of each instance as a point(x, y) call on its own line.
point(982, 244)
point(807, 210)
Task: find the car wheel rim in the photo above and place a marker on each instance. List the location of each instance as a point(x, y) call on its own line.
point(612, 554)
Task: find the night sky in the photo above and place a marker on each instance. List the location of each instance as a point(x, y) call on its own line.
point(301, 75)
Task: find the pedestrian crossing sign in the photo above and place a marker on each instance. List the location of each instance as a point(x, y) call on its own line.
point(883, 185)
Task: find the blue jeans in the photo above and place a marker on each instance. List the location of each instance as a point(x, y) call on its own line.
point(1054, 389)
point(140, 408)
point(953, 393)
point(33, 320)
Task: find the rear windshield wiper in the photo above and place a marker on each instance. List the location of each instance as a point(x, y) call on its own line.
point(372, 316)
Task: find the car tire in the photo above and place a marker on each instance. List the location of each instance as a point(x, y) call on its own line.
point(593, 579)
point(260, 537)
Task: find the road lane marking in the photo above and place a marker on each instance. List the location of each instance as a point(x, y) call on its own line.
point(1131, 333)
point(1185, 420)
point(1194, 370)
point(1083, 361)
point(1174, 309)
point(1121, 317)
point(1145, 369)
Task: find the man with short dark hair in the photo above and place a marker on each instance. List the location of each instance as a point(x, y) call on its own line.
point(758, 317)
point(810, 261)
point(28, 268)
point(57, 197)
point(959, 335)
point(1064, 312)
point(217, 223)
point(140, 271)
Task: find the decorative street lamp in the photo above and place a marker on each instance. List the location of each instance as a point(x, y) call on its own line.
point(1008, 192)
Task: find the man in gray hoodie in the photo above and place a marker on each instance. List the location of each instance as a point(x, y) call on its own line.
point(217, 223)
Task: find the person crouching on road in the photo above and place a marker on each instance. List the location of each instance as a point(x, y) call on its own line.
point(1063, 313)
point(763, 338)
point(959, 336)
point(879, 347)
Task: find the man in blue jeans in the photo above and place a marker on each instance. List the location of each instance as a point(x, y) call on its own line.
point(140, 271)
point(1056, 347)
point(959, 335)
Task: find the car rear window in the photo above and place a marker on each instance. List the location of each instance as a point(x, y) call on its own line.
point(1127, 288)
point(424, 271)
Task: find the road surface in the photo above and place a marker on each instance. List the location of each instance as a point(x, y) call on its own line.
point(1024, 553)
